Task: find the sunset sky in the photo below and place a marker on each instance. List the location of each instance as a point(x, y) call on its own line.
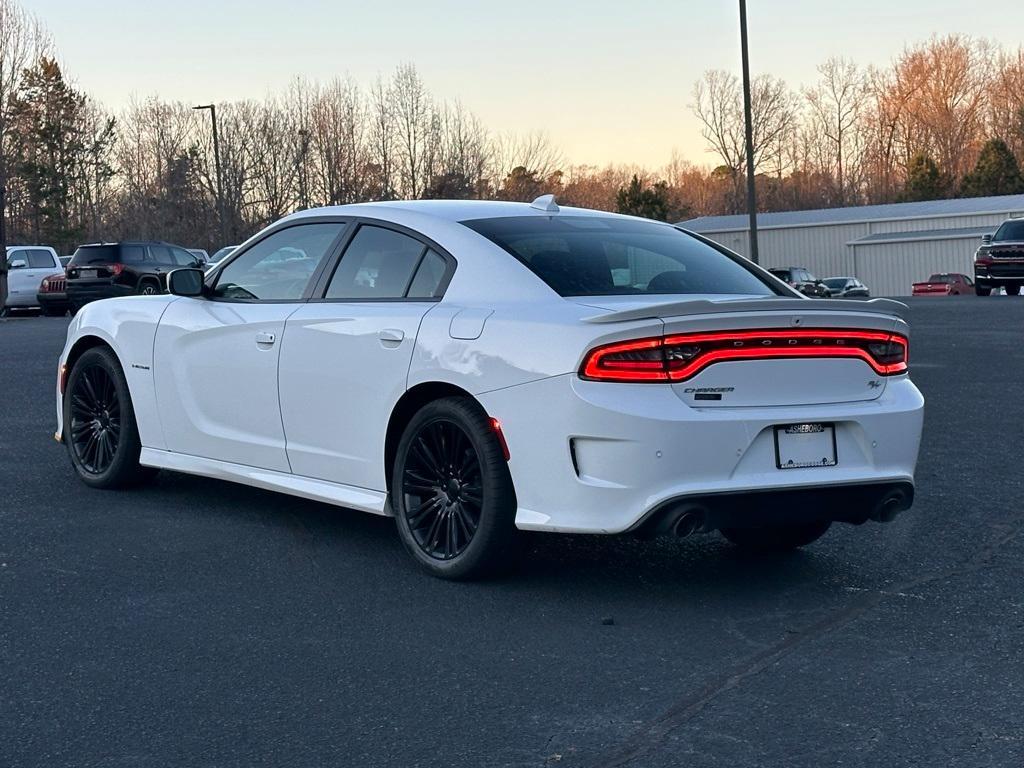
point(608, 81)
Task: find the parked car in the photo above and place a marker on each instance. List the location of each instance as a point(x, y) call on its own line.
point(27, 265)
point(846, 288)
point(52, 296)
point(477, 367)
point(64, 261)
point(999, 261)
point(105, 270)
point(200, 254)
point(801, 279)
point(218, 256)
point(944, 284)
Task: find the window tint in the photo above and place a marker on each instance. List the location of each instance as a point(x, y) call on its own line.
point(427, 281)
point(597, 255)
point(278, 267)
point(95, 254)
point(378, 264)
point(161, 254)
point(14, 256)
point(183, 258)
point(39, 258)
point(133, 254)
point(1010, 230)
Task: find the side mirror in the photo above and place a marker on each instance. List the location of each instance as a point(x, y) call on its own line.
point(18, 264)
point(986, 239)
point(185, 282)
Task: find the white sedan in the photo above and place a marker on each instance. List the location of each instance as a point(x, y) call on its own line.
point(480, 368)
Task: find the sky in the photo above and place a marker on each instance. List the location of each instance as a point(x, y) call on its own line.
point(609, 81)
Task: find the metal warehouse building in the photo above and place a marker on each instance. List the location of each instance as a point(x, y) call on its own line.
point(887, 247)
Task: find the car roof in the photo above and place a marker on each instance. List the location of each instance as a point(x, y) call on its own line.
point(454, 210)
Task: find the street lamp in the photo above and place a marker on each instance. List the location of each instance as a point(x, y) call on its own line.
point(303, 182)
point(749, 129)
point(216, 162)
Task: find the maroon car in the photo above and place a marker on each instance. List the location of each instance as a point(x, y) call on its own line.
point(944, 284)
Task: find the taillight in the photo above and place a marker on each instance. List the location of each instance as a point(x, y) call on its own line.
point(115, 269)
point(682, 356)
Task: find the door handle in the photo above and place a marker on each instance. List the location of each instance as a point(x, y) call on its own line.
point(391, 337)
point(265, 338)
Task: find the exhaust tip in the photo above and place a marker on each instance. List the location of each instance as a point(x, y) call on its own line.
point(890, 505)
point(689, 520)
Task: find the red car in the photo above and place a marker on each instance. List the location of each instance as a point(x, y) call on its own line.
point(944, 284)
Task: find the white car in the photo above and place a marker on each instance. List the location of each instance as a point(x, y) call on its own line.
point(479, 368)
point(27, 265)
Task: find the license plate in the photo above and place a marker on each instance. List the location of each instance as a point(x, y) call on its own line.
point(87, 273)
point(800, 446)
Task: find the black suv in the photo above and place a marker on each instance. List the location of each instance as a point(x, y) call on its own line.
point(1000, 259)
point(803, 281)
point(105, 270)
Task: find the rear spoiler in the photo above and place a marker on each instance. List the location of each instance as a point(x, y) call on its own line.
point(780, 304)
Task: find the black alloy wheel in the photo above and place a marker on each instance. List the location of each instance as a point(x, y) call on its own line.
point(452, 493)
point(443, 490)
point(95, 427)
point(100, 432)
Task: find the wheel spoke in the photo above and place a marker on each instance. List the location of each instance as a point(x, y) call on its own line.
point(423, 510)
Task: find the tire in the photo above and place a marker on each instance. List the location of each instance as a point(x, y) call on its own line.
point(450, 481)
point(778, 538)
point(148, 288)
point(54, 312)
point(1012, 289)
point(982, 290)
point(100, 432)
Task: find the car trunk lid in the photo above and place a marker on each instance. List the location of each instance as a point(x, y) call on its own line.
point(766, 351)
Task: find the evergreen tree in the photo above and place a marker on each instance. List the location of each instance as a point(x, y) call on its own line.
point(996, 172)
point(924, 180)
point(649, 202)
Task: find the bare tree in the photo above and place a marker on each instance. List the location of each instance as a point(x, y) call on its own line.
point(415, 126)
point(22, 41)
point(836, 106)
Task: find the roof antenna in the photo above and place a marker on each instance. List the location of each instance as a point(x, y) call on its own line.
point(545, 203)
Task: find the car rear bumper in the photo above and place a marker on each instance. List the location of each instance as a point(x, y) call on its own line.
point(593, 457)
point(81, 292)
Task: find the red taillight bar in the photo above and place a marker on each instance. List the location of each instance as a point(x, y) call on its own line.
point(601, 364)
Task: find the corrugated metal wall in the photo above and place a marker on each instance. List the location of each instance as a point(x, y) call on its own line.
point(888, 269)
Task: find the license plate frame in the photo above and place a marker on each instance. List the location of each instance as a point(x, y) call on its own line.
point(797, 446)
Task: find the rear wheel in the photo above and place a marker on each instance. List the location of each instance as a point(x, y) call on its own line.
point(1012, 289)
point(982, 290)
point(54, 311)
point(99, 423)
point(452, 493)
point(776, 538)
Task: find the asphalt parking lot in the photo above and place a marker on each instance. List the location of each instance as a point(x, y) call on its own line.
point(200, 623)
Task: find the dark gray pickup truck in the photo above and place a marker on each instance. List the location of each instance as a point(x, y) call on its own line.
point(999, 261)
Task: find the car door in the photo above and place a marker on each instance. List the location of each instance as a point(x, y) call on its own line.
point(346, 354)
point(216, 356)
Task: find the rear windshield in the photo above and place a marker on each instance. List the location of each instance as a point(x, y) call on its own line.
point(95, 254)
point(940, 279)
point(602, 256)
point(1010, 230)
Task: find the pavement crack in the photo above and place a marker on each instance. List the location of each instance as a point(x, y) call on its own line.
point(655, 732)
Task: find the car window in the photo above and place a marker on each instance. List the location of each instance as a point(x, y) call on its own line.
point(428, 277)
point(133, 254)
point(14, 256)
point(183, 258)
point(40, 258)
point(161, 254)
point(279, 267)
point(378, 264)
point(599, 256)
point(1010, 230)
point(95, 254)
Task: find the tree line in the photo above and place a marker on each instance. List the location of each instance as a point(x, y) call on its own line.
point(946, 118)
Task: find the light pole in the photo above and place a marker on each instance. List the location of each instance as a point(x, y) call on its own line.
point(749, 129)
point(216, 163)
point(303, 182)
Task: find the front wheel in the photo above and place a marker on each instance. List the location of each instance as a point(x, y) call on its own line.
point(99, 422)
point(982, 290)
point(776, 538)
point(1012, 289)
point(452, 493)
point(148, 288)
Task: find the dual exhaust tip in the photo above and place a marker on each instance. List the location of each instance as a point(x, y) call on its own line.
point(690, 517)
